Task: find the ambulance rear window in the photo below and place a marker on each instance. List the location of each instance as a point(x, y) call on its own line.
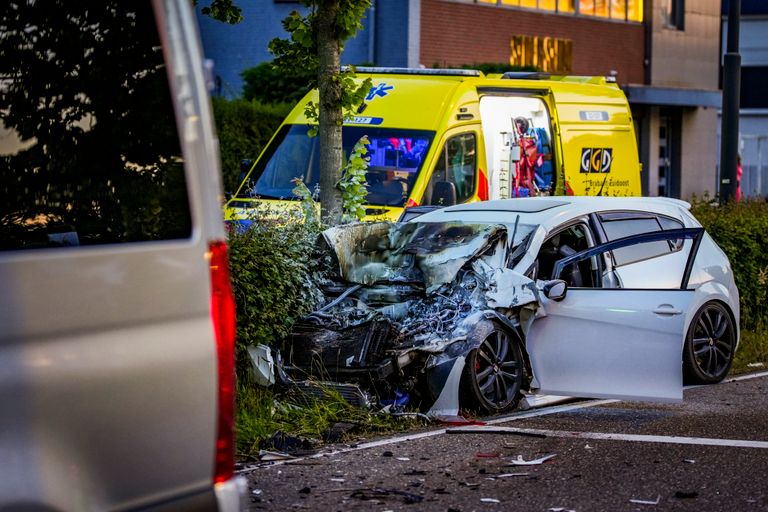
point(396, 158)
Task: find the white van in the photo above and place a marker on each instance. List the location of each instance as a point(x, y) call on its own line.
point(116, 312)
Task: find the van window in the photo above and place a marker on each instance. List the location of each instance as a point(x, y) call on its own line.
point(89, 152)
point(456, 164)
point(396, 158)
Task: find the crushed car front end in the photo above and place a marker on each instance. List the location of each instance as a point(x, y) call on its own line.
point(404, 303)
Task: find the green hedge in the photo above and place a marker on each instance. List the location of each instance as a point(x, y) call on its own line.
point(271, 264)
point(741, 230)
point(266, 84)
point(244, 128)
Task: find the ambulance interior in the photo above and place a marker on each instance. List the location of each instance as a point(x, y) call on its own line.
point(518, 144)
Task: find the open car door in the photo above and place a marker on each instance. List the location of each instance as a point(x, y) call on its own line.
point(615, 342)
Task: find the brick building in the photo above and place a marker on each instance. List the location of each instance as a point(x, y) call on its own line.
point(664, 53)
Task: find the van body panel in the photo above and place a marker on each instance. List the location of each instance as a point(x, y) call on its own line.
point(108, 363)
point(570, 119)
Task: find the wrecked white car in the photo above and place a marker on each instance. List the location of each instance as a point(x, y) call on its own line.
point(471, 306)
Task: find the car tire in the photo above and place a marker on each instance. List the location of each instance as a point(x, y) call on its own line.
point(709, 345)
point(494, 371)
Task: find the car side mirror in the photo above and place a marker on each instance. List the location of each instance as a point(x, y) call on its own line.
point(444, 194)
point(555, 290)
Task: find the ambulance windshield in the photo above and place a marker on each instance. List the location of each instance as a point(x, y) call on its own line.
point(396, 157)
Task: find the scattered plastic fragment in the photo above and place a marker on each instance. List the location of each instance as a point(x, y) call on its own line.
point(267, 456)
point(457, 421)
point(689, 461)
point(262, 365)
point(755, 365)
point(588, 447)
point(256, 492)
point(520, 462)
point(489, 500)
point(509, 475)
point(400, 400)
point(686, 495)
point(646, 502)
point(340, 480)
point(560, 509)
point(403, 459)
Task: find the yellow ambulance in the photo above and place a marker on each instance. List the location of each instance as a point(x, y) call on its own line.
point(443, 137)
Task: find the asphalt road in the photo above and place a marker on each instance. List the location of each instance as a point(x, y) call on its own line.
point(708, 453)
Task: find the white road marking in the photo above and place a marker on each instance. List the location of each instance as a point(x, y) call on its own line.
point(748, 377)
point(699, 441)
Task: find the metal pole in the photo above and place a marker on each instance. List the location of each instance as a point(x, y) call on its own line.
point(729, 141)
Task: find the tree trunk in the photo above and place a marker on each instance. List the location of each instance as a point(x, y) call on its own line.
point(331, 116)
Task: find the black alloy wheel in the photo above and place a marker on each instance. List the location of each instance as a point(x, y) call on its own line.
point(493, 373)
point(709, 345)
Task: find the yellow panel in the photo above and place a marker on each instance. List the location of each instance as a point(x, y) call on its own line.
point(547, 5)
point(528, 3)
point(511, 2)
point(587, 7)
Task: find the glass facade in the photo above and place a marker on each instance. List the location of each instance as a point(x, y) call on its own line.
point(619, 10)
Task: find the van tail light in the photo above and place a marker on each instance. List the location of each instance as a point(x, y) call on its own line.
point(223, 315)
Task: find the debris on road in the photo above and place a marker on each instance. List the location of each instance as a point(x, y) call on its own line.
point(270, 456)
point(755, 365)
point(686, 495)
point(509, 475)
point(489, 500)
point(560, 509)
point(520, 462)
point(646, 502)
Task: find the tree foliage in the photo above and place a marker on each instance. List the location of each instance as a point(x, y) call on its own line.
point(353, 184)
point(223, 10)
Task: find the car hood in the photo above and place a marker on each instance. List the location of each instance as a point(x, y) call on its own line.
point(431, 255)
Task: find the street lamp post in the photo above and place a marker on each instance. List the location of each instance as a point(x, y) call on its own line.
point(729, 140)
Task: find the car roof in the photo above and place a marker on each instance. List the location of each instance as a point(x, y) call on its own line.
point(552, 211)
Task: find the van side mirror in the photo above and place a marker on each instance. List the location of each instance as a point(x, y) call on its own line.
point(444, 194)
point(555, 289)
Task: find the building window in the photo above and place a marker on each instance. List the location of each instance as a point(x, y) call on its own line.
point(625, 10)
point(673, 13)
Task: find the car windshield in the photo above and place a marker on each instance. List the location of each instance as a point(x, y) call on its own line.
point(396, 157)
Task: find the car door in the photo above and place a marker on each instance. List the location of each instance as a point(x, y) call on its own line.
point(614, 342)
